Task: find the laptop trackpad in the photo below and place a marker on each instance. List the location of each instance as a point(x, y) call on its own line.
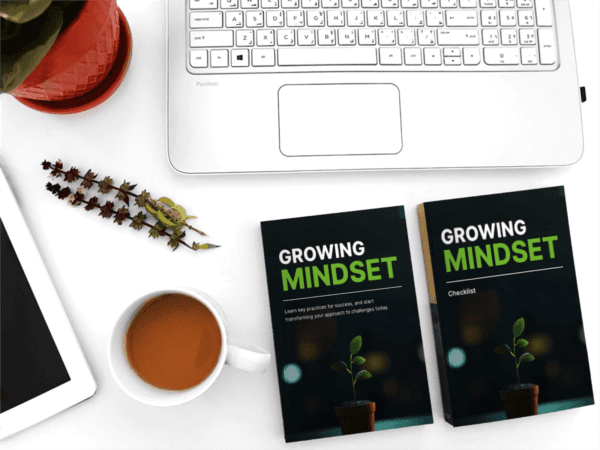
point(339, 119)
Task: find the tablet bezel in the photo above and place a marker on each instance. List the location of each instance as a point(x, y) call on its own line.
point(82, 385)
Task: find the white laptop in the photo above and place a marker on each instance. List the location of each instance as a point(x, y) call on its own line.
point(324, 85)
point(42, 368)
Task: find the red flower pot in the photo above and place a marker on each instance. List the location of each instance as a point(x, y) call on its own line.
point(84, 66)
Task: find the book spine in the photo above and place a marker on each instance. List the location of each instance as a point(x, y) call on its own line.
point(435, 316)
point(274, 323)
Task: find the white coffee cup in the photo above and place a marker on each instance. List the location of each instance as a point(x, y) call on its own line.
point(245, 357)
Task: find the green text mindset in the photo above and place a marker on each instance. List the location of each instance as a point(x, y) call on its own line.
point(497, 254)
point(335, 274)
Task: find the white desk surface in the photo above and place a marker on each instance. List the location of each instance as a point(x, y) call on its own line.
point(98, 267)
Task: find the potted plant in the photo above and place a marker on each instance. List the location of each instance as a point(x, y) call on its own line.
point(63, 56)
point(356, 416)
point(519, 400)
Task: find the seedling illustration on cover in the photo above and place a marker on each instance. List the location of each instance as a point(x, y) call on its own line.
point(519, 399)
point(356, 416)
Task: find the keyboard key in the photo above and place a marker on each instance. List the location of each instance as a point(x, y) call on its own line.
point(315, 18)
point(269, 4)
point(508, 19)
point(526, 18)
point(289, 4)
point(274, 19)
point(295, 18)
point(501, 56)
point(489, 18)
point(366, 36)
point(508, 36)
point(429, 3)
point(406, 37)
point(219, 58)
point(387, 3)
point(527, 36)
point(529, 56)
point(458, 37)
point(387, 36)
point(240, 58)
point(410, 3)
point(471, 56)
point(452, 51)
point(347, 36)
point(488, 3)
point(432, 56)
point(351, 3)
point(265, 38)
point(285, 37)
point(543, 12)
point(306, 37)
point(395, 18)
point(206, 20)
point(203, 4)
point(435, 19)
point(468, 3)
point(547, 46)
point(461, 18)
point(414, 18)
point(390, 56)
point(211, 38)
point(326, 36)
point(244, 38)
point(336, 19)
point(370, 4)
point(199, 58)
point(307, 56)
point(375, 18)
point(356, 18)
point(249, 4)
point(490, 37)
point(449, 3)
point(506, 3)
point(330, 3)
point(524, 3)
point(255, 19)
point(426, 37)
point(263, 57)
point(307, 4)
point(412, 57)
point(452, 61)
point(229, 4)
point(234, 19)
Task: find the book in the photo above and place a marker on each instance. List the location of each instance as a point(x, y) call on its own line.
point(345, 321)
point(506, 315)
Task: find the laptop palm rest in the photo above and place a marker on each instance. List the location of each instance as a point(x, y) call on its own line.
point(339, 119)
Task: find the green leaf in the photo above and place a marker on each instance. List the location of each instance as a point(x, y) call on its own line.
point(21, 11)
point(166, 201)
point(355, 345)
point(364, 374)
point(521, 343)
point(502, 349)
point(359, 360)
point(24, 46)
point(339, 365)
point(526, 357)
point(518, 327)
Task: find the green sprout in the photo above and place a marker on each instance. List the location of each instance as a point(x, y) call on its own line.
point(355, 346)
point(504, 349)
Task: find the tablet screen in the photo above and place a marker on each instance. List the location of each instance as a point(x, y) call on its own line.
point(30, 362)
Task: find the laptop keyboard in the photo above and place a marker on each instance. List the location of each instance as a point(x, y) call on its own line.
point(257, 36)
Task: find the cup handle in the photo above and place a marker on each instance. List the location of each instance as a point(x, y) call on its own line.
point(247, 357)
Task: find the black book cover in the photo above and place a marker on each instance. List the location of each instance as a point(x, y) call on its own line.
point(504, 301)
point(345, 323)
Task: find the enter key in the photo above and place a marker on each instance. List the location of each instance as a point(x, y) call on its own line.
point(547, 46)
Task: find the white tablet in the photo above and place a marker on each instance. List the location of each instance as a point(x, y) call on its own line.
point(42, 368)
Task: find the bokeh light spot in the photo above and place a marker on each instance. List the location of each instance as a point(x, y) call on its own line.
point(457, 357)
point(377, 362)
point(292, 373)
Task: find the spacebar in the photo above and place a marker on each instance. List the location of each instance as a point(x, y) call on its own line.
point(337, 56)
